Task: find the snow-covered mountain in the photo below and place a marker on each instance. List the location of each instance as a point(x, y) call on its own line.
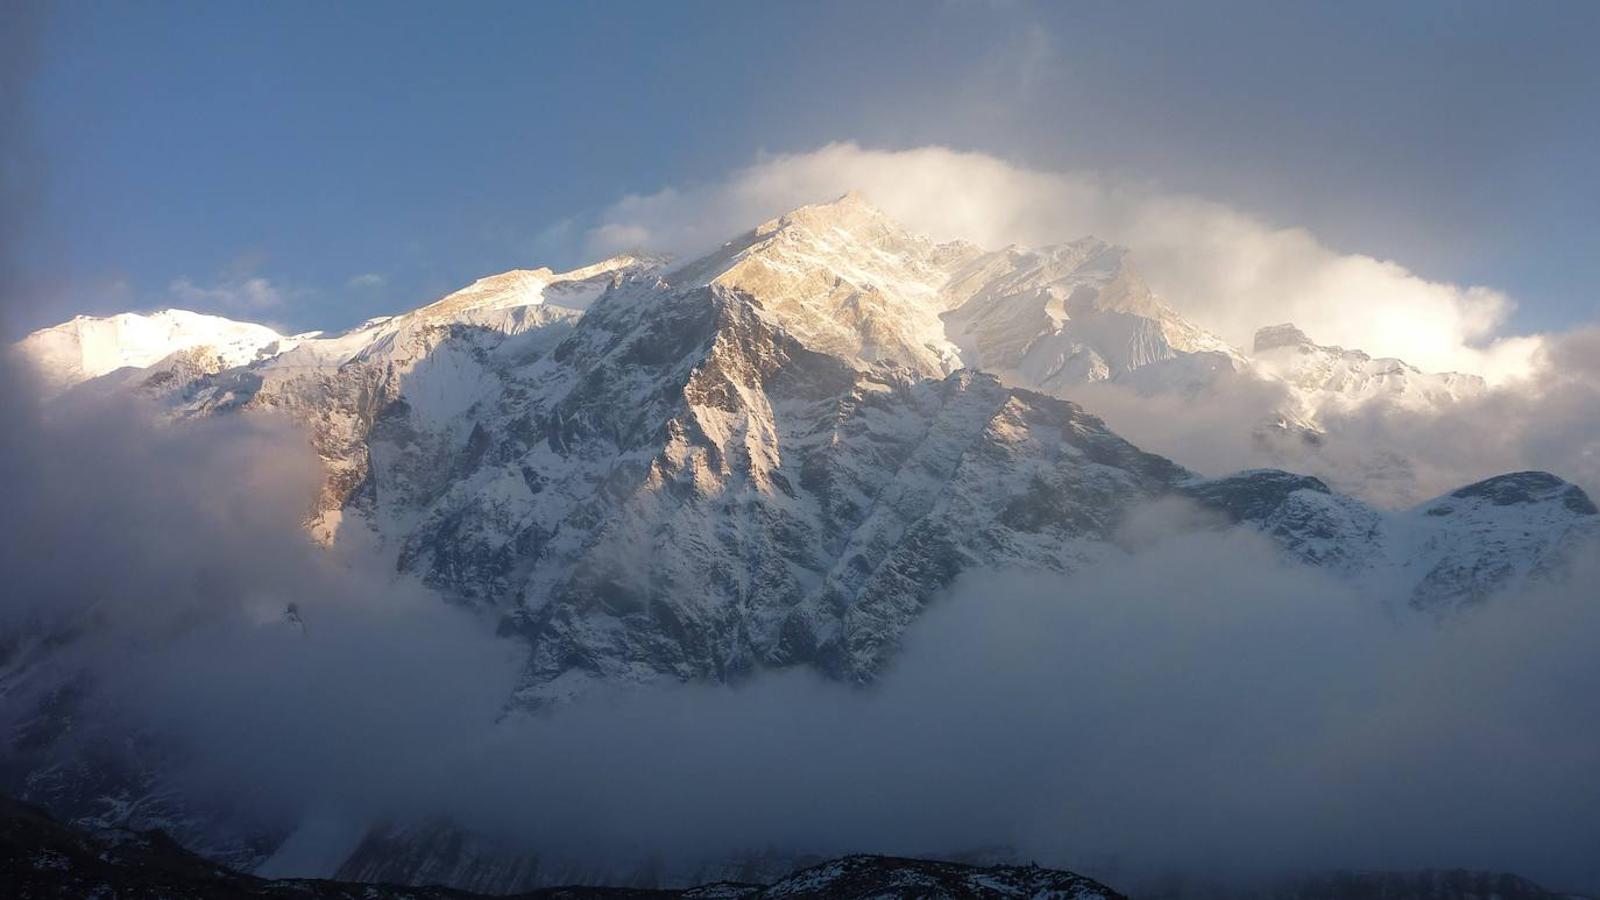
point(847, 280)
point(1065, 315)
point(1444, 554)
point(1335, 379)
point(778, 454)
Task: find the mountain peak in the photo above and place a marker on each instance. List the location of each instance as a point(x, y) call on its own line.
point(1330, 377)
point(846, 279)
point(1519, 488)
point(849, 213)
point(851, 197)
point(574, 289)
point(1286, 335)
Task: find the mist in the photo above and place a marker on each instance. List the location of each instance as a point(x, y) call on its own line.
point(1200, 705)
point(1548, 420)
point(1388, 454)
point(1196, 703)
point(165, 567)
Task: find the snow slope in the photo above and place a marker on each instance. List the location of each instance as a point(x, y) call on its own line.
point(88, 347)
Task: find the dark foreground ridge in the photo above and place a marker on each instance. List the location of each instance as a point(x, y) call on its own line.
point(41, 858)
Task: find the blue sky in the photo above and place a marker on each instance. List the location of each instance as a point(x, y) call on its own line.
point(182, 150)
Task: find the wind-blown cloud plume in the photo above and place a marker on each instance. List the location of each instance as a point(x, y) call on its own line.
point(1391, 455)
point(254, 294)
point(1222, 267)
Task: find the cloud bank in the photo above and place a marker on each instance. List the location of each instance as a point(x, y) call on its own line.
point(163, 566)
point(1203, 706)
point(1198, 705)
point(1221, 267)
point(1390, 455)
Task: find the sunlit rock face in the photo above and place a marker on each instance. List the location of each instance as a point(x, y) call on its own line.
point(846, 280)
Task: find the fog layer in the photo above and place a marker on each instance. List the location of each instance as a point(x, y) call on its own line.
point(1197, 703)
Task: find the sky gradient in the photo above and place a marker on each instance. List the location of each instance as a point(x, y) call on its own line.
point(312, 165)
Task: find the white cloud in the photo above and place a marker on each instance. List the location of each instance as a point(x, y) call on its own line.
point(253, 293)
point(1389, 454)
point(368, 281)
point(623, 237)
point(1222, 267)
